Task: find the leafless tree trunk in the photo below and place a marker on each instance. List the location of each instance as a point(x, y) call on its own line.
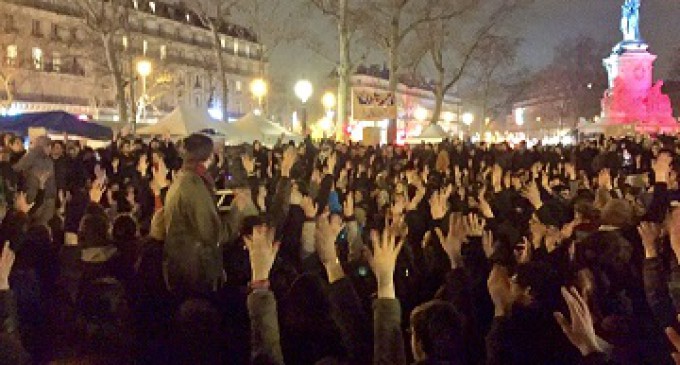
point(117, 74)
point(222, 72)
point(344, 68)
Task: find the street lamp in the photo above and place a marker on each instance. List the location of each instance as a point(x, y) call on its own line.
point(144, 69)
point(258, 88)
point(420, 114)
point(328, 101)
point(468, 118)
point(304, 90)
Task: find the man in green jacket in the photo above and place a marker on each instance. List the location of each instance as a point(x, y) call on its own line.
point(194, 228)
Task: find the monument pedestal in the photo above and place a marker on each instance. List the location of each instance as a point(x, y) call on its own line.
point(633, 103)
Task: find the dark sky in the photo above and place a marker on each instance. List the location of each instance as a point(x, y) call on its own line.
point(542, 26)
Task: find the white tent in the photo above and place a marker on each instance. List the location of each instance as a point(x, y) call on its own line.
point(183, 121)
point(433, 133)
point(256, 127)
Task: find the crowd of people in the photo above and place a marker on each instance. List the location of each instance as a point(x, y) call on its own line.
point(339, 253)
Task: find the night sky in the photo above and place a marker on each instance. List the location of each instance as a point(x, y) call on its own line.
point(542, 26)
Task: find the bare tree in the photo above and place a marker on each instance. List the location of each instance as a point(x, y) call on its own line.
point(492, 71)
point(395, 20)
point(106, 21)
point(452, 55)
point(215, 15)
point(348, 17)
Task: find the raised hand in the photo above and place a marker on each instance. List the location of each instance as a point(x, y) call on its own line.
point(248, 163)
point(6, 263)
point(262, 252)
point(453, 242)
point(348, 205)
point(533, 195)
point(99, 173)
point(580, 332)
point(662, 168)
point(604, 179)
point(438, 205)
point(328, 228)
point(143, 165)
point(649, 232)
point(290, 155)
point(488, 244)
point(309, 207)
point(475, 225)
point(674, 231)
point(674, 338)
point(21, 203)
point(383, 261)
point(97, 191)
point(500, 290)
point(524, 255)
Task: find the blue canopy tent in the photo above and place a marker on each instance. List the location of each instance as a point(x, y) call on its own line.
point(57, 122)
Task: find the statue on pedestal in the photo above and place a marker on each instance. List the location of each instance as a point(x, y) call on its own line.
point(630, 21)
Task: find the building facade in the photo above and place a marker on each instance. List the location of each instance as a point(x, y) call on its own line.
point(51, 60)
point(413, 105)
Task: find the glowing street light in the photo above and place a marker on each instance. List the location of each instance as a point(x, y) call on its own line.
point(258, 88)
point(144, 69)
point(420, 114)
point(468, 119)
point(304, 91)
point(328, 100)
point(519, 116)
point(448, 117)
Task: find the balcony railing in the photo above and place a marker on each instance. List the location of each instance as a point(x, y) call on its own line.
point(63, 67)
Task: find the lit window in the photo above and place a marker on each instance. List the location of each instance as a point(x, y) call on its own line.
point(247, 50)
point(12, 54)
point(238, 85)
point(188, 18)
point(56, 62)
point(152, 5)
point(37, 58)
point(235, 46)
point(145, 47)
point(135, 3)
point(224, 42)
point(125, 42)
point(164, 52)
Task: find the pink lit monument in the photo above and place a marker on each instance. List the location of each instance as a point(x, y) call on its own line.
point(633, 102)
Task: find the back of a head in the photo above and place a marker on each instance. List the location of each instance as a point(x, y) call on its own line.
point(197, 148)
point(93, 231)
point(439, 329)
point(124, 229)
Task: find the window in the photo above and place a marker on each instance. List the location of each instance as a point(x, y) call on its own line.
point(74, 33)
point(56, 62)
point(125, 42)
point(224, 42)
point(164, 52)
point(247, 50)
point(37, 58)
point(11, 55)
point(145, 47)
point(238, 86)
point(36, 28)
point(235, 46)
point(9, 22)
point(54, 34)
point(152, 5)
point(135, 3)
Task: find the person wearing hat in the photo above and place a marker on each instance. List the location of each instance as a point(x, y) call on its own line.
point(192, 257)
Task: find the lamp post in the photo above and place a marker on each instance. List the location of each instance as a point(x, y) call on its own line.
point(144, 69)
point(258, 88)
point(329, 102)
point(468, 119)
point(304, 90)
